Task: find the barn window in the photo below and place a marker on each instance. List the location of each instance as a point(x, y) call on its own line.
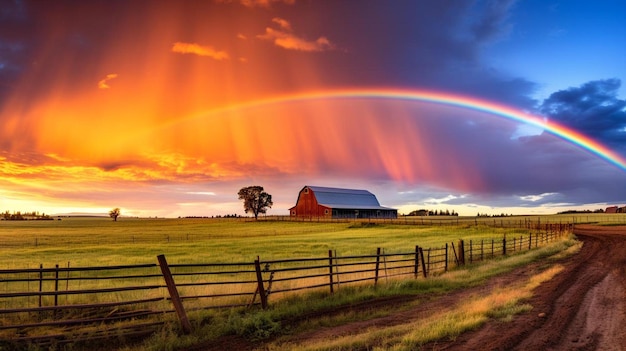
point(293, 213)
point(306, 190)
point(326, 211)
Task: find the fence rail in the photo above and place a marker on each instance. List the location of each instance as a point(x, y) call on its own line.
point(65, 303)
point(528, 222)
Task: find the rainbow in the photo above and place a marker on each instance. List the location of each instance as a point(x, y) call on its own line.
point(472, 103)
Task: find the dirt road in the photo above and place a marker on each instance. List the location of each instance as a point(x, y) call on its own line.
point(584, 305)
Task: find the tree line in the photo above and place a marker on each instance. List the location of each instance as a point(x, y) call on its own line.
point(432, 213)
point(19, 216)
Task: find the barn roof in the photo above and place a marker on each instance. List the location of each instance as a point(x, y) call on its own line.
point(346, 198)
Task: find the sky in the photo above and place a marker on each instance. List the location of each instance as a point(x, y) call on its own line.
point(168, 108)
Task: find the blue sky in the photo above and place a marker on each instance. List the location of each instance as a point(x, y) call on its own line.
point(561, 44)
point(167, 108)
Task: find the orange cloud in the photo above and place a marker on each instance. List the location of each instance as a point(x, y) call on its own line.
point(287, 40)
point(284, 24)
point(196, 49)
point(103, 84)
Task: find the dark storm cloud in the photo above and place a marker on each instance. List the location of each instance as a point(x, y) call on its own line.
point(12, 48)
point(425, 44)
point(491, 21)
point(593, 108)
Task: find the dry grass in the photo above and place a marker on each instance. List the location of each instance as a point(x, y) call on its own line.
point(469, 314)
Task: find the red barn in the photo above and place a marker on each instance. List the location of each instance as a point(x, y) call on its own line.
point(317, 201)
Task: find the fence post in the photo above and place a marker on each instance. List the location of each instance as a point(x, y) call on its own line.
point(377, 265)
point(471, 251)
point(424, 271)
point(259, 279)
point(40, 281)
point(56, 285)
point(456, 258)
point(504, 246)
point(330, 266)
point(446, 269)
point(385, 265)
point(530, 241)
point(461, 252)
point(417, 260)
point(536, 240)
point(171, 288)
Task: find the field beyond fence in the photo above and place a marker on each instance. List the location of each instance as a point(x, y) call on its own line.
point(64, 304)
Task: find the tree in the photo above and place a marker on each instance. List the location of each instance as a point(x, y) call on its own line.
point(255, 200)
point(114, 213)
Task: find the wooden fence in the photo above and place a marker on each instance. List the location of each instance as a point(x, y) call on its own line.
point(49, 306)
point(528, 222)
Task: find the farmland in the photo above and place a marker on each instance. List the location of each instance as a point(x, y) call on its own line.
point(102, 242)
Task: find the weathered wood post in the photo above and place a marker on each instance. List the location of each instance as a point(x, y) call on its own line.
point(67, 280)
point(536, 240)
point(56, 285)
point(504, 246)
point(171, 288)
point(530, 241)
point(40, 282)
point(377, 265)
point(385, 265)
point(446, 268)
point(424, 270)
point(461, 252)
point(417, 261)
point(471, 250)
point(330, 267)
point(456, 258)
point(260, 287)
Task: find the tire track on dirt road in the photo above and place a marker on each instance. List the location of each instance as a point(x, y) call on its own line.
point(581, 308)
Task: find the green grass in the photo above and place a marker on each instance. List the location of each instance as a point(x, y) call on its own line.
point(101, 242)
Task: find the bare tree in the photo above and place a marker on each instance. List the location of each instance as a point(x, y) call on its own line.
point(255, 200)
point(114, 213)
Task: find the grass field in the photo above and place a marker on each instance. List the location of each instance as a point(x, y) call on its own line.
point(101, 242)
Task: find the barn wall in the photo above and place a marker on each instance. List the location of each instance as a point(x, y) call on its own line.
point(307, 206)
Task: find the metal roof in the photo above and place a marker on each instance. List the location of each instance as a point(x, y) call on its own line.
point(346, 198)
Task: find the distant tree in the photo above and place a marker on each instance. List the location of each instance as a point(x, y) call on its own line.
point(255, 200)
point(114, 213)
